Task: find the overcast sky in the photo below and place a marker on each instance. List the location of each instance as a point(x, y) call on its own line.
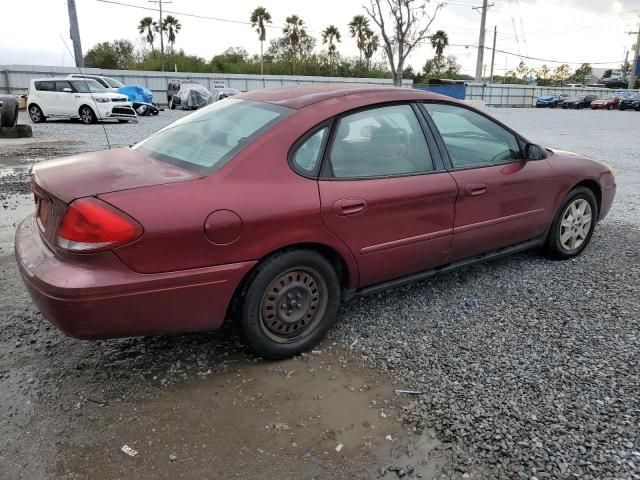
point(565, 30)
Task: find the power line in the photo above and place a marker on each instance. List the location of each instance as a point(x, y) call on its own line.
point(538, 59)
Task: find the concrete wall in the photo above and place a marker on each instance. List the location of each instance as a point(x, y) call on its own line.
point(15, 79)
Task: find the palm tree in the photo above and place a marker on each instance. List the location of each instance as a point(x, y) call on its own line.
point(172, 26)
point(330, 34)
point(259, 17)
point(358, 28)
point(148, 27)
point(371, 44)
point(439, 41)
point(294, 32)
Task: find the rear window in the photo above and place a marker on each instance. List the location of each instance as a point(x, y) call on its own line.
point(206, 139)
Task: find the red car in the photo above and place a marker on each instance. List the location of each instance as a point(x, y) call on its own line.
point(606, 103)
point(272, 207)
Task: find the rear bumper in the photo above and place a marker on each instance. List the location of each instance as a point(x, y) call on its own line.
point(97, 296)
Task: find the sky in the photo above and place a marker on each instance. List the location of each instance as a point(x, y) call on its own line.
point(572, 31)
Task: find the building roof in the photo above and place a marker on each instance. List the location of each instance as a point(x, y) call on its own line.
point(305, 95)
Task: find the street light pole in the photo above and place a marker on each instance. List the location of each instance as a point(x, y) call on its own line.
point(159, 2)
point(634, 63)
point(493, 52)
point(75, 33)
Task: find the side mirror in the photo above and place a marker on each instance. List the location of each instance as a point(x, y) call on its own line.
point(533, 152)
point(67, 89)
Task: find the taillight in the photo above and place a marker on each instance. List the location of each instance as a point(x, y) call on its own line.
point(90, 225)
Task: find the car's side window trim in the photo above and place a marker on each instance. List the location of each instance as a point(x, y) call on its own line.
point(522, 142)
point(326, 170)
point(328, 124)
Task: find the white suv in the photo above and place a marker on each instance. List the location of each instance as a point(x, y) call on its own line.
point(84, 99)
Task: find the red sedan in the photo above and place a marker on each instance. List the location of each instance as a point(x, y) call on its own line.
point(272, 207)
point(606, 103)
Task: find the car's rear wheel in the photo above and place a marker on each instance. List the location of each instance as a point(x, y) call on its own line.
point(87, 116)
point(573, 226)
point(289, 303)
point(35, 114)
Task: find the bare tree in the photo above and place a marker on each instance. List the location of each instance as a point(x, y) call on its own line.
point(408, 26)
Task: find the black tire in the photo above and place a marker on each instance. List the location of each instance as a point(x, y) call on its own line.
point(36, 114)
point(9, 112)
point(610, 107)
point(289, 303)
point(87, 116)
point(172, 105)
point(554, 247)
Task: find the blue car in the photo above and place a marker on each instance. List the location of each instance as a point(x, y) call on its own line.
point(551, 101)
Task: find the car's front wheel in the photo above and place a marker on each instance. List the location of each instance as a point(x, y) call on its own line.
point(573, 226)
point(87, 116)
point(289, 303)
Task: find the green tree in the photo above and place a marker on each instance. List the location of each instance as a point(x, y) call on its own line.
point(259, 18)
point(371, 45)
point(439, 41)
point(118, 54)
point(359, 29)
point(171, 26)
point(583, 73)
point(330, 35)
point(562, 73)
point(441, 67)
point(295, 34)
point(148, 28)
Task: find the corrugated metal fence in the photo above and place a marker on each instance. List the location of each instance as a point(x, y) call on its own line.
point(525, 95)
point(15, 79)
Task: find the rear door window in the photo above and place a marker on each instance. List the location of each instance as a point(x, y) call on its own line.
point(380, 142)
point(61, 85)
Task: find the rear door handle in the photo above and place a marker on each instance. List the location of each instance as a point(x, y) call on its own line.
point(475, 189)
point(349, 206)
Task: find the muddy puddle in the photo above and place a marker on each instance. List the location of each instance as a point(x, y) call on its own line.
point(321, 416)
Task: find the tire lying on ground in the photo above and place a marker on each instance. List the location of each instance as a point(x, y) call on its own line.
point(9, 112)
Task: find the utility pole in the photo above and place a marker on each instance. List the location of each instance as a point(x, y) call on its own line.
point(493, 52)
point(634, 63)
point(160, 29)
point(75, 33)
point(625, 64)
point(483, 22)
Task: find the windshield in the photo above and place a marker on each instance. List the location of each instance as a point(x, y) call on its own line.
point(113, 83)
point(206, 139)
point(87, 86)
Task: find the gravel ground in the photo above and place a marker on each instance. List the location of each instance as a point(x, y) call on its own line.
point(529, 367)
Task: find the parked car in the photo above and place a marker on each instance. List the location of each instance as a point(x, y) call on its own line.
point(631, 102)
point(614, 83)
point(84, 99)
point(194, 95)
point(608, 103)
point(111, 84)
point(271, 207)
point(141, 99)
point(550, 101)
point(579, 102)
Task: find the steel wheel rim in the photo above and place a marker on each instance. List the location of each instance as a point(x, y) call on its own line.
point(576, 224)
point(293, 305)
point(86, 116)
point(35, 114)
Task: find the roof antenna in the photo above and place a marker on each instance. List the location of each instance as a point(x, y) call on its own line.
point(88, 89)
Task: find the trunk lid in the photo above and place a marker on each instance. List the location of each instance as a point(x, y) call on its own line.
point(95, 173)
point(56, 183)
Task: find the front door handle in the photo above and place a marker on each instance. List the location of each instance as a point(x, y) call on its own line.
point(475, 189)
point(349, 206)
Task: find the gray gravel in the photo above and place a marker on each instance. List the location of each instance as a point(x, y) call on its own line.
point(530, 367)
